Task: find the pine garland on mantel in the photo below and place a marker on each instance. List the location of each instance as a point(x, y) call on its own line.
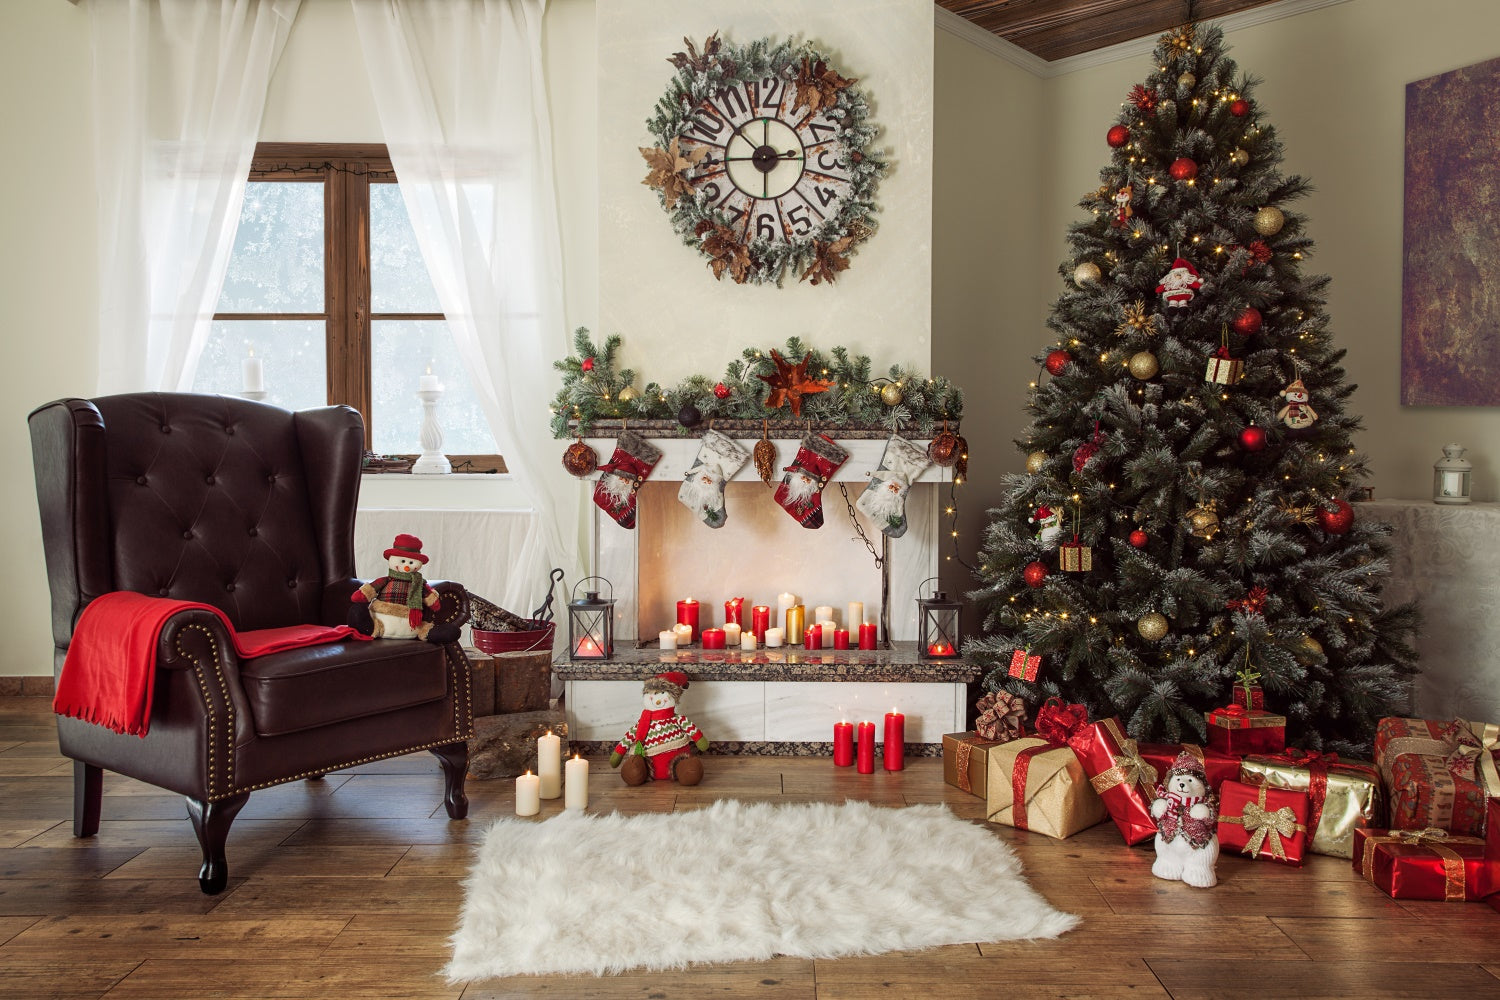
point(595, 390)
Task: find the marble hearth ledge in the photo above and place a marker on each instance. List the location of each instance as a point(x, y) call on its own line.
point(896, 665)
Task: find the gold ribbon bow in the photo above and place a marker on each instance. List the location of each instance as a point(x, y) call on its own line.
point(1488, 735)
point(1130, 768)
point(1435, 840)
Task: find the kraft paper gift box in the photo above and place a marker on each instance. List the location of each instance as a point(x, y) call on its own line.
point(1122, 777)
point(1343, 796)
point(965, 761)
point(1421, 864)
point(1440, 774)
point(1220, 767)
point(1238, 731)
point(1262, 821)
point(1036, 785)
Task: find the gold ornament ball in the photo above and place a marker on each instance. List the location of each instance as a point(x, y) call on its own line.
point(1239, 157)
point(1086, 273)
point(628, 393)
point(1143, 365)
point(1268, 221)
point(1203, 522)
point(890, 394)
point(1152, 626)
point(1035, 461)
point(1187, 80)
point(1309, 650)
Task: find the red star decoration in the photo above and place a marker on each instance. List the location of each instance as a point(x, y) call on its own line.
point(790, 383)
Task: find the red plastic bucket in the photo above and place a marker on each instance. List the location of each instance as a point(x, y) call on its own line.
point(537, 639)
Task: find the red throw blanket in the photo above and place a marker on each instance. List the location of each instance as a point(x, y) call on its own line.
point(110, 670)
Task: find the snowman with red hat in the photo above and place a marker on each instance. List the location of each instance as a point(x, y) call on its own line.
point(401, 604)
point(661, 745)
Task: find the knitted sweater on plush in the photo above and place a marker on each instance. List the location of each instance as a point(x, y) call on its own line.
point(666, 731)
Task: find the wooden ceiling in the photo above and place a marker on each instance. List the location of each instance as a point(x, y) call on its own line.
point(1056, 29)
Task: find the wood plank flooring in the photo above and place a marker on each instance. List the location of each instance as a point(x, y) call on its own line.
point(349, 887)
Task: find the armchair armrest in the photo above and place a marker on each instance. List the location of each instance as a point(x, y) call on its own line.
point(453, 607)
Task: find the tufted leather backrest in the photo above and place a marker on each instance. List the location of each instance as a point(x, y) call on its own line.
point(237, 504)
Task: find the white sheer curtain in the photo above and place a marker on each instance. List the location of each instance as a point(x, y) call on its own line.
point(458, 86)
point(179, 90)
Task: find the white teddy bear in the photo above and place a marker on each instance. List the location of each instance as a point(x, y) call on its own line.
point(1187, 838)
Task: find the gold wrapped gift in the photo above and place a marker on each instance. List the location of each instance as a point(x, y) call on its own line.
point(966, 758)
point(1343, 796)
point(1075, 557)
point(1224, 371)
point(1055, 796)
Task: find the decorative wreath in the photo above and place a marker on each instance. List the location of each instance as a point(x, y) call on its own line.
point(816, 255)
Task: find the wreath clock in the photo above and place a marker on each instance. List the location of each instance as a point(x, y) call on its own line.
point(763, 160)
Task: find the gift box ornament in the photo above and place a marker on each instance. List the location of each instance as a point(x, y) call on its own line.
point(1263, 821)
point(1440, 774)
point(965, 759)
point(1038, 783)
point(1422, 864)
point(1219, 767)
point(1240, 731)
point(1075, 557)
point(1222, 369)
point(1125, 781)
point(1246, 692)
point(1343, 796)
point(1024, 664)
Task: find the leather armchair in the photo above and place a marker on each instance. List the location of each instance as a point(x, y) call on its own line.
point(249, 508)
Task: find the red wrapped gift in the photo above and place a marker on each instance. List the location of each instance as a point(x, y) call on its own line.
point(1239, 731)
point(1439, 773)
point(1248, 696)
point(1262, 821)
point(1024, 664)
point(1220, 767)
point(1491, 884)
point(1421, 864)
point(1123, 779)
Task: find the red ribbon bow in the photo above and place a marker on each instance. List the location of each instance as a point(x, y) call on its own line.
point(1061, 724)
point(1223, 352)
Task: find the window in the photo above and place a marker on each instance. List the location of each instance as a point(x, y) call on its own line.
point(327, 289)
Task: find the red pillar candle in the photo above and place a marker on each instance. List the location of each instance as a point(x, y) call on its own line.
point(866, 756)
point(840, 638)
point(867, 635)
point(895, 740)
point(734, 611)
point(760, 620)
point(713, 638)
point(812, 637)
point(843, 744)
point(687, 614)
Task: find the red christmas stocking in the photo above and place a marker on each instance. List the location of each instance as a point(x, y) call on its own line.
point(622, 475)
point(801, 491)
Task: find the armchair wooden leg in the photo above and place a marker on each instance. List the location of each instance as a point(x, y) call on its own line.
point(88, 793)
point(454, 758)
point(211, 823)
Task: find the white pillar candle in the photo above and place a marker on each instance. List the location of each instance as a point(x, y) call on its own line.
point(528, 795)
point(773, 637)
point(667, 639)
point(856, 617)
point(731, 635)
point(429, 383)
point(783, 602)
point(684, 633)
point(576, 788)
point(747, 640)
point(254, 374)
point(822, 613)
point(828, 625)
point(549, 764)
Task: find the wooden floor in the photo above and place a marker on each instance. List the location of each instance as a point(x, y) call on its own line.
point(349, 887)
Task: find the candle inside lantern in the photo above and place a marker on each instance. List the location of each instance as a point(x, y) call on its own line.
point(760, 620)
point(576, 788)
point(528, 795)
point(840, 638)
point(843, 744)
point(731, 635)
point(713, 638)
point(253, 373)
point(734, 611)
point(895, 741)
point(812, 637)
point(589, 647)
point(795, 621)
point(940, 647)
point(687, 614)
point(549, 764)
point(684, 633)
point(774, 637)
point(667, 639)
point(747, 641)
point(866, 756)
point(867, 639)
point(828, 627)
point(856, 615)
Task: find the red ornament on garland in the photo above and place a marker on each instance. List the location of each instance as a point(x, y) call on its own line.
point(1247, 323)
point(1057, 361)
point(1183, 169)
point(1035, 574)
point(1139, 538)
point(1253, 438)
point(587, 364)
point(721, 391)
point(1337, 521)
point(1239, 107)
point(1117, 136)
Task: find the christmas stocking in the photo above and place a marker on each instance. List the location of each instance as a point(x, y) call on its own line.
point(622, 475)
point(884, 500)
point(703, 484)
point(801, 491)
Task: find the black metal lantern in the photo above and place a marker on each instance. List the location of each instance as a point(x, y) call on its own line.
point(939, 636)
point(591, 623)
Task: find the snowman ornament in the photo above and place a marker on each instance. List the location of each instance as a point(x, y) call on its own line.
point(1296, 414)
point(1187, 838)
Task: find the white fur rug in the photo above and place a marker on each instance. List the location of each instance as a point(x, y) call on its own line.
point(733, 882)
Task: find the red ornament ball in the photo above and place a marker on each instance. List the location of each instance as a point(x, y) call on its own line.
point(1248, 322)
point(1239, 107)
point(1183, 169)
point(721, 390)
point(580, 459)
point(1035, 574)
point(1057, 361)
point(1139, 538)
point(1117, 136)
point(587, 364)
point(1338, 520)
point(1253, 438)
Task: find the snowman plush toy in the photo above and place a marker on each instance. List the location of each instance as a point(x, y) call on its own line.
point(401, 604)
point(661, 745)
point(1186, 813)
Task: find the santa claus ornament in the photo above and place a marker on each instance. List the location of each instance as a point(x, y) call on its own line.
point(702, 490)
point(801, 491)
point(1186, 814)
point(1296, 414)
point(884, 499)
point(400, 605)
point(1179, 285)
point(661, 745)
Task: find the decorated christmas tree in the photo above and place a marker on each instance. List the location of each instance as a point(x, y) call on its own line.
point(1184, 519)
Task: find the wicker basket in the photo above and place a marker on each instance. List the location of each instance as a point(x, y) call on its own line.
point(537, 639)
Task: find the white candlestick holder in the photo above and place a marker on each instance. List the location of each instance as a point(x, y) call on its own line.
point(256, 394)
point(432, 461)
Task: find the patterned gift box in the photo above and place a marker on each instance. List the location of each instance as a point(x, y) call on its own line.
point(965, 760)
point(1262, 821)
point(1024, 664)
point(1421, 864)
point(1240, 731)
point(1343, 796)
point(1122, 777)
point(1220, 767)
point(1075, 557)
point(1037, 785)
point(1250, 696)
point(1439, 773)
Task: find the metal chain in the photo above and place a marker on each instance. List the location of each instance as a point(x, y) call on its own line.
point(858, 529)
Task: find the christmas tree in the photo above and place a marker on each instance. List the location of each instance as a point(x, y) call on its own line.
point(1184, 518)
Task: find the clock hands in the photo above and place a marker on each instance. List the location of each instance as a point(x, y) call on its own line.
point(790, 154)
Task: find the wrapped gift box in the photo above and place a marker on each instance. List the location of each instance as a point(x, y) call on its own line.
point(1343, 796)
point(1439, 773)
point(1240, 731)
point(965, 759)
point(1421, 864)
point(1075, 557)
point(1224, 371)
point(1250, 696)
point(1491, 884)
point(1124, 780)
point(1220, 767)
point(1263, 821)
point(1032, 784)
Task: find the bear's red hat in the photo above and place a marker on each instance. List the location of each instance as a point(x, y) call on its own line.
point(408, 546)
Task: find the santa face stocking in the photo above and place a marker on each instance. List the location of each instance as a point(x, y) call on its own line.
point(702, 489)
point(801, 491)
point(884, 500)
point(622, 475)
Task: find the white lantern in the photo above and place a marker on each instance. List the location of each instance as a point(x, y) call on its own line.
point(1451, 476)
